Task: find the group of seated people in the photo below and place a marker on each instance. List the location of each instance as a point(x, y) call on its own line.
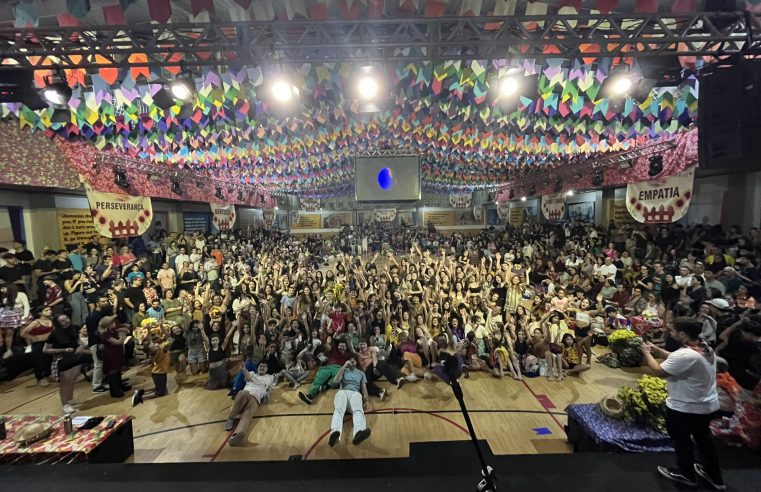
point(250, 309)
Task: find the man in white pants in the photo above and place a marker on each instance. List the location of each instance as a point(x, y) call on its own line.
point(352, 392)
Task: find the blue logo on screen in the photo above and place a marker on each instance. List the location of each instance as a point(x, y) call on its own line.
point(386, 178)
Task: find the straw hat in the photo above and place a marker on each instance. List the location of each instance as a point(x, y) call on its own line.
point(33, 432)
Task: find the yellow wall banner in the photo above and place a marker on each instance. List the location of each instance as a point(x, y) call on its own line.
point(222, 216)
point(75, 226)
point(116, 215)
point(438, 218)
point(305, 221)
point(516, 217)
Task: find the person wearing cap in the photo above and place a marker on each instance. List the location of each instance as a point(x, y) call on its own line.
point(690, 372)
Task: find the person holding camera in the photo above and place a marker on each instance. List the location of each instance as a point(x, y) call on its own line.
point(692, 401)
point(352, 393)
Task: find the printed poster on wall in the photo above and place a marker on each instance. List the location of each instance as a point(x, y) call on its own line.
point(553, 207)
point(75, 226)
point(478, 213)
point(196, 221)
point(619, 214)
point(335, 220)
point(305, 221)
point(116, 215)
point(438, 218)
point(660, 201)
point(503, 211)
point(222, 216)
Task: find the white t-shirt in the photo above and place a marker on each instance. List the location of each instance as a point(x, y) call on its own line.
point(609, 271)
point(691, 382)
point(258, 385)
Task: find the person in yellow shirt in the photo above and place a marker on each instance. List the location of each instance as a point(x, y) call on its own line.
point(158, 347)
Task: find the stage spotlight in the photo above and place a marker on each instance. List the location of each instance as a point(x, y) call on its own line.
point(283, 91)
point(183, 89)
point(121, 178)
point(240, 195)
point(523, 198)
point(57, 93)
point(508, 86)
point(618, 84)
point(367, 87)
point(558, 185)
point(511, 195)
point(656, 166)
point(176, 189)
point(599, 178)
point(532, 191)
point(219, 194)
point(569, 193)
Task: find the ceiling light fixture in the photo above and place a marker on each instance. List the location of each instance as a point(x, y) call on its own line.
point(508, 86)
point(284, 91)
point(121, 178)
point(599, 178)
point(656, 166)
point(183, 89)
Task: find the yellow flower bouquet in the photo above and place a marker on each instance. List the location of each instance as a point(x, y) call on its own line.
point(146, 326)
point(645, 404)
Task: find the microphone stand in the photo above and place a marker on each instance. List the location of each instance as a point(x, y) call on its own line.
point(489, 482)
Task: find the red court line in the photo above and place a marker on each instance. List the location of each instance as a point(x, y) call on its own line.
point(216, 455)
point(387, 410)
point(543, 404)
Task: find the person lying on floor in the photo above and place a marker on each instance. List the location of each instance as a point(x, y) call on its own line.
point(248, 400)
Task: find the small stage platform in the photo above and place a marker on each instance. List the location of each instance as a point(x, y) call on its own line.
point(439, 467)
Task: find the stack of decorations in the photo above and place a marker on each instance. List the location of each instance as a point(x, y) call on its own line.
point(645, 404)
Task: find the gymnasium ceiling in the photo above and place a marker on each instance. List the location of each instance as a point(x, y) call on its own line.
point(443, 110)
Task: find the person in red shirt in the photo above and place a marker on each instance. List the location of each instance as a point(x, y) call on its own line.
point(338, 354)
point(53, 296)
point(338, 320)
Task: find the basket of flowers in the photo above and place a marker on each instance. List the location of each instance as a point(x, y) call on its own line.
point(645, 403)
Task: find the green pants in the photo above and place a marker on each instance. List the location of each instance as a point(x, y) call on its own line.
point(325, 375)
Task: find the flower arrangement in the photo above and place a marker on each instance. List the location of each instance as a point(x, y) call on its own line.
point(619, 336)
point(146, 327)
point(645, 404)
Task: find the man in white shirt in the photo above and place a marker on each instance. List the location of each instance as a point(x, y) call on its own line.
point(247, 401)
point(180, 259)
point(609, 270)
point(692, 400)
point(212, 270)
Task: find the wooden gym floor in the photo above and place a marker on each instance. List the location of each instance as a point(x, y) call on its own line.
point(187, 425)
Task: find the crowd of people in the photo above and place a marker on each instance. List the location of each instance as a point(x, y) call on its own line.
point(251, 309)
